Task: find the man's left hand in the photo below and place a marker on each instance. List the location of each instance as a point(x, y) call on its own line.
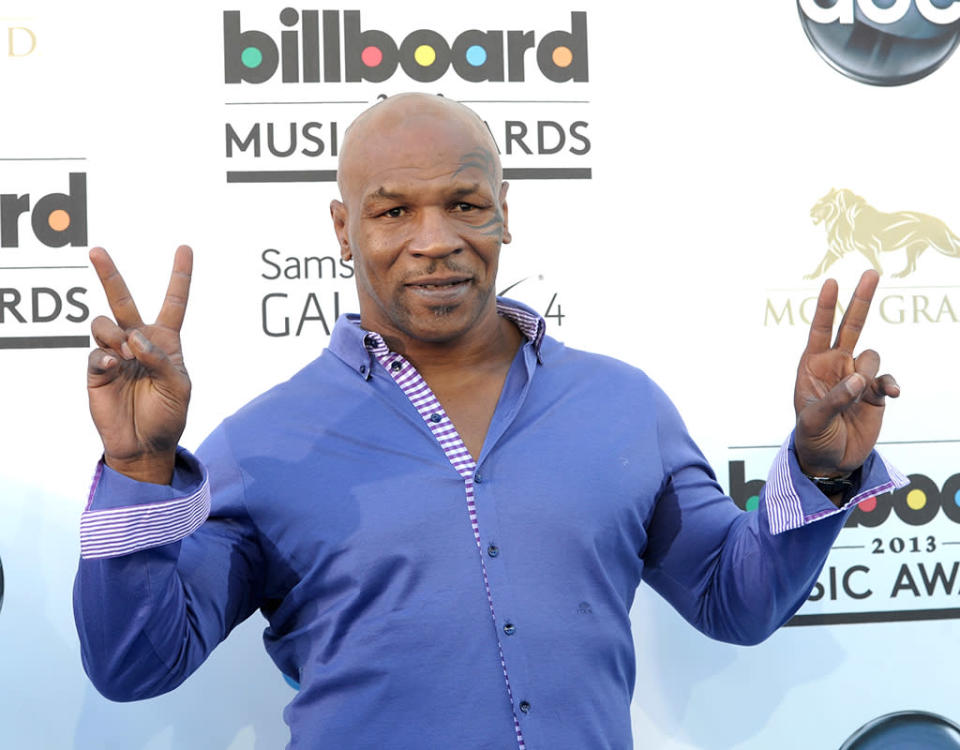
point(838, 397)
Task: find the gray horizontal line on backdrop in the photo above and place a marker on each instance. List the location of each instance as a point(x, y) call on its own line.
point(43, 158)
point(362, 101)
point(330, 175)
point(879, 442)
point(44, 342)
point(855, 618)
point(885, 288)
point(36, 268)
point(524, 101)
point(462, 101)
point(849, 546)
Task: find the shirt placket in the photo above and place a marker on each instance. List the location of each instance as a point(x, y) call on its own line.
point(415, 388)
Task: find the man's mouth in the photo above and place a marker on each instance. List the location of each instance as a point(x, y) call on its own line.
point(432, 284)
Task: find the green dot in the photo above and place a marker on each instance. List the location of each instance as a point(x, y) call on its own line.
point(251, 57)
point(753, 502)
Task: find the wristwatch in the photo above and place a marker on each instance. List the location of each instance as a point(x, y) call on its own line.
point(831, 486)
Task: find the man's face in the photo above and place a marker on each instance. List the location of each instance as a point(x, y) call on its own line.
point(423, 217)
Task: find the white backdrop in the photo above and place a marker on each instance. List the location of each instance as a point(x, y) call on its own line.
point(713, 128)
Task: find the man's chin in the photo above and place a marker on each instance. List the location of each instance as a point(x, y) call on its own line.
point(442, 324)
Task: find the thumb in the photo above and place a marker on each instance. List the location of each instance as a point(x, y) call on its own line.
point(150, 356)
point(842, 396)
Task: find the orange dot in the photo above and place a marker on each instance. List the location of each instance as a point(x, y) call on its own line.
point(58, 220)
point(562, 57)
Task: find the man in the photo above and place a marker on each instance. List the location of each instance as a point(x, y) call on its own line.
point(445, 516)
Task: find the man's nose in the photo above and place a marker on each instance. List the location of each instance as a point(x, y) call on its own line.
point(435, 235)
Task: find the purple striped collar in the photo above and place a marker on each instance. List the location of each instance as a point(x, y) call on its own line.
point(530, 323)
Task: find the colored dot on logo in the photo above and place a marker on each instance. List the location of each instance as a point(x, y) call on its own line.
point(753, 502)
point(425, 55)
point(371, 56)
point(562, 57)
point(58, 220)
point(916, 499)
point(869, 505)
point(251, 57)
point(956, 498)
point(476, 55)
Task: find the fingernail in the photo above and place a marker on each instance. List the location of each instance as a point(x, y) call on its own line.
point(126, 351)
point(108, 361)
point(140, 339)
point(855, 384)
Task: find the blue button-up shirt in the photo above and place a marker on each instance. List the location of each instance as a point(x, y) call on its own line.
point(335, 512)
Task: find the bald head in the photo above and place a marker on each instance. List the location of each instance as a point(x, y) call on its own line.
point(411, 119)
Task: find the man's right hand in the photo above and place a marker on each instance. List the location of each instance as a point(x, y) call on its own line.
point(136, 381)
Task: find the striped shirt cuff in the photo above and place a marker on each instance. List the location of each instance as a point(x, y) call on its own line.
point(785, 510)
point(112, 532)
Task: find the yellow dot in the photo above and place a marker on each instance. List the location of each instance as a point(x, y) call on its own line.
point(562, 57)
point(425, 55)
point(916, 499)
point(58, 220)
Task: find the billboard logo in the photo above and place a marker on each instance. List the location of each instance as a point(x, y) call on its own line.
point(57, 219)
point(916, 504)
point(853, 225)
point(253, 56)
point(882, 42)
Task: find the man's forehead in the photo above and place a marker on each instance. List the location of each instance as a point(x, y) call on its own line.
point(416, 134)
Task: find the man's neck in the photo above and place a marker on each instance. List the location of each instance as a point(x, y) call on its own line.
point(489, 345)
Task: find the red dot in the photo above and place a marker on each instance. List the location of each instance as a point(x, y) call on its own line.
point(371, 56)
point(869, 505)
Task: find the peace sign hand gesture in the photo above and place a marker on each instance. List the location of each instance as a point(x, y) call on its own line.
point(136, 382)
point(838, 398)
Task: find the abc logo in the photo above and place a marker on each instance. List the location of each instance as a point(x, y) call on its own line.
point(882, 42)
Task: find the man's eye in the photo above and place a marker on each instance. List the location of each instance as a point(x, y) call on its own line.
point(463, 206)
point(393, 213)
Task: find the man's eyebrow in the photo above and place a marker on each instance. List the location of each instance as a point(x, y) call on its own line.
point(466, 190)
point(385, 193)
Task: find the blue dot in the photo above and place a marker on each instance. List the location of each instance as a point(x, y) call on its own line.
point(476, 55)
point(956, 498)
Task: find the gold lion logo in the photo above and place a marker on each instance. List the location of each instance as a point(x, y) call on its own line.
point(852, 224)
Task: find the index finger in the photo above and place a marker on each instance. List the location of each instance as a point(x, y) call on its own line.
point(178, 290)
point(821, 327)
point(856, 315)
point(118, 296)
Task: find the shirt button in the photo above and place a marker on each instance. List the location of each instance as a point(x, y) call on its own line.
point(509, 628)
point(396, 365)
point(493, 550)
point(363, 369)
point(435, 417)
point(525, 706)
point(477, 479)
point(370, 342)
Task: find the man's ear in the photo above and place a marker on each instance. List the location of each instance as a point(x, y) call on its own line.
point(504, 210)
point(338, 212)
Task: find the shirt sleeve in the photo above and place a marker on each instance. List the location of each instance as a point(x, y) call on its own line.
point(736, 575)
point(793, 501)
point(165, 572)
point(124, 516)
